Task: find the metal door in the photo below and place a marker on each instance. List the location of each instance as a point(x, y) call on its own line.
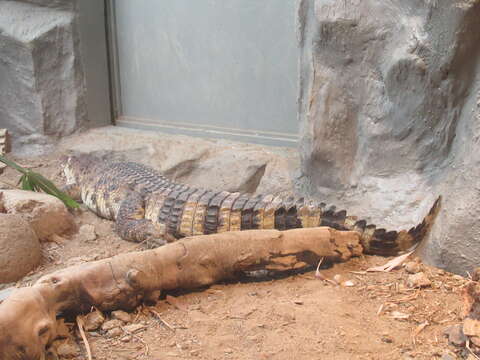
point(221, 68)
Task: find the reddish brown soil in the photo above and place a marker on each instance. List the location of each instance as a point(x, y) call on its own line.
point(296, 317)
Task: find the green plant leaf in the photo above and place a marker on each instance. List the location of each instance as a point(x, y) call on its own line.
point(48, 187)
point(33, 181)
point(12, 164)
point(26, 185)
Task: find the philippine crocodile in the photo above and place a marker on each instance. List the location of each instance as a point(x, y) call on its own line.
point(148, 207)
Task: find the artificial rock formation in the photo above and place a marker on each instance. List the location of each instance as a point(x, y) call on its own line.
point(42, 90)
point(389, 106)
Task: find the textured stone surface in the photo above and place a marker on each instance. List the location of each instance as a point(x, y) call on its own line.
point(389, 104)
point(19, 248)
point(213, 164)
point(46, 214)
point(42, 92)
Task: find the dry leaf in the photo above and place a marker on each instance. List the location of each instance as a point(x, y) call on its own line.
point(397, 315)
point(392, 264)
point(420, 328)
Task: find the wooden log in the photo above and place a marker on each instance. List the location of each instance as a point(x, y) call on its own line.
point(28, 316)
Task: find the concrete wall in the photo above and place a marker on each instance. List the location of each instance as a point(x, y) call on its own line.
point(43, 80)
point(230, 66)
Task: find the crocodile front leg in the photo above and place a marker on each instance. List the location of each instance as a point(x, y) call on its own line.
point(131, 224)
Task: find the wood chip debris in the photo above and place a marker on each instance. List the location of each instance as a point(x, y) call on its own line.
point(392, 264)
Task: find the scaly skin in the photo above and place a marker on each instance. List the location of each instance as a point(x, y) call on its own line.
point(148, 207)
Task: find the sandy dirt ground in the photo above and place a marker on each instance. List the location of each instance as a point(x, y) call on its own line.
point(293, 317)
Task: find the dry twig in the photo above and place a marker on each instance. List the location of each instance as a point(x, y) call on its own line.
point(147, 349)
point(467, 345)
point(392, 264)
point(320, 276)
point(81, 325)
point(157, 315)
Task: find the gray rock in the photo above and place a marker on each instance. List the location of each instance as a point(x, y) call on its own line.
point(455, 335)
point(39, 47)
point(389, 107)
point(20, 249)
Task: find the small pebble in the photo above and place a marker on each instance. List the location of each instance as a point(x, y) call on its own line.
point(195, 352)
point(471, 327)
point(93, 320)
point(111, 324)
point(87, 232)
point(418, 280)
point(115, 332)
point(133, 328)
point(448, 356)
point(122, 316)
point(397, 315)
point(338, 279)
point(412, 267)
point(67, 350)
point(475, 340)
point(455, 335)
point(387, 339)
point(126, 338)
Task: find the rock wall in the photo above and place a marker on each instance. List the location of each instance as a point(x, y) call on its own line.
point(390, 109)
point(42, 85)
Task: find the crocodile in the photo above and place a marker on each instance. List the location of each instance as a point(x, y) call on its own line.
point(148, 207)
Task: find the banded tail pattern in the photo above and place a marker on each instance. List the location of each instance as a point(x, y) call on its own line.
point(146, 205)
point(217, 212)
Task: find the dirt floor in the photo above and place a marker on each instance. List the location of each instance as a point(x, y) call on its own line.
point(295, 317)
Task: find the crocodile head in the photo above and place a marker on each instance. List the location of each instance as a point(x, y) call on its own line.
point(76, 167)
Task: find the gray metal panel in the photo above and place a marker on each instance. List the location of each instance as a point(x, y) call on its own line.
point(93, 42)
point(229, 64)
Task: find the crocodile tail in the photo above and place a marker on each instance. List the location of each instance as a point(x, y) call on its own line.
point(188, 211)
point(387, 243)
point(288, 213)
